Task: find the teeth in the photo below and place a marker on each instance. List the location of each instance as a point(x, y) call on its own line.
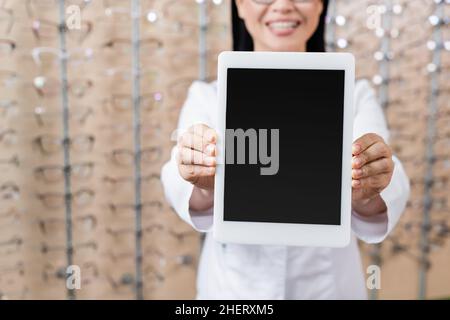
point(284, 24)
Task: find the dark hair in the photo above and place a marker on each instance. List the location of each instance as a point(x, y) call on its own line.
point(242, 40)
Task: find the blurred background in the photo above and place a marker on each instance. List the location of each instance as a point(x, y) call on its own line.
point(83, 136)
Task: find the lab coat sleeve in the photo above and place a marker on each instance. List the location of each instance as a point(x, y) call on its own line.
point(177, 190)
point(369, 117)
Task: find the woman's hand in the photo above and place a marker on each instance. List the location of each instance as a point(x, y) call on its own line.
point(372, 169)
point(196, 156)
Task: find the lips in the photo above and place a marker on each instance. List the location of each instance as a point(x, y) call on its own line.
point(283, 27)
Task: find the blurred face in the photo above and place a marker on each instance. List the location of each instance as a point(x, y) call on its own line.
point(280, 25)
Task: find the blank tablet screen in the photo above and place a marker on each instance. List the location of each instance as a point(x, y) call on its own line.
point(302, 181)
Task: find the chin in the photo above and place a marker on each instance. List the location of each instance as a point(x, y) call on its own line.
point(286, 44)
point(286, 47)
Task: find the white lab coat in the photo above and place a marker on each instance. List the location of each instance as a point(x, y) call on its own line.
point(237, 271)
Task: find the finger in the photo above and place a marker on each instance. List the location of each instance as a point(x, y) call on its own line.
point(376, 183)
point(192, 141)
point(193, 173)
point(374, 152)
point(383, 165)
point(364, 142)
point(204, 131)
point(189, 156)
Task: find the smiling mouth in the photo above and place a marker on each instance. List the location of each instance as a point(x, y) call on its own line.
point(283, 25)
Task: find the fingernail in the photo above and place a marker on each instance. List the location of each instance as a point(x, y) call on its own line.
point(210, 137)
point(357, 172)
point(357, 161)
point(210, 149)
point(209, 161)
point(356, 148)
point(356, 183)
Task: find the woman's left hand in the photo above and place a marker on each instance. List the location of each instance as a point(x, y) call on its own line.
point(372, 168)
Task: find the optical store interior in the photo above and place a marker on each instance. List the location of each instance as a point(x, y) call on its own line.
point(73, 194)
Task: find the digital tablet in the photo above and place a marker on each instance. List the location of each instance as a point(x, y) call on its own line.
point(284, 148)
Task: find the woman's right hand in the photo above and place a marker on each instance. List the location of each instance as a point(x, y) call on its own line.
point(196, 156)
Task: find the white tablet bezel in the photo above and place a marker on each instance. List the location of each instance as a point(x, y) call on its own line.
point(285, 233)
